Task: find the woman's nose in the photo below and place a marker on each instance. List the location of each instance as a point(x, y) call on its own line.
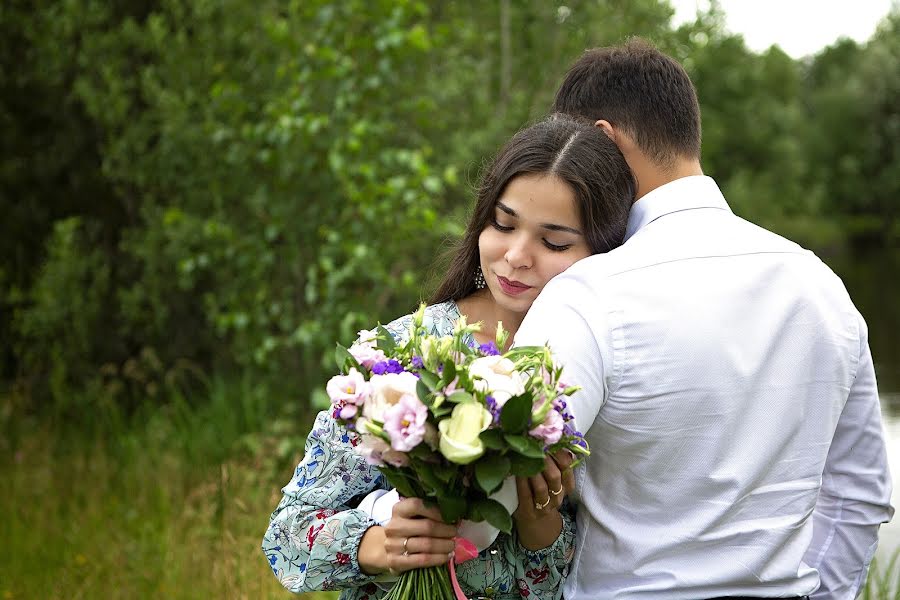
point(518, 255)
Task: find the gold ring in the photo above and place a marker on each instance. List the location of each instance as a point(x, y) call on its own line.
point(405, 549)
point(540, 506)
point(557, 492)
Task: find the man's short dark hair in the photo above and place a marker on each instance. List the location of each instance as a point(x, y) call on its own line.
point(640, 90)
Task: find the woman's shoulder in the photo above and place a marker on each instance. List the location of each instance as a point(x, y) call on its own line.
point(439, 320)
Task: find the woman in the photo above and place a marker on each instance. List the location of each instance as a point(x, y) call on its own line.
point(558, 192)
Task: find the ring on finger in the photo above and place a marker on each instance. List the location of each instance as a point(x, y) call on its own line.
point(405, 549)
point(540, 506)
point(557, 492)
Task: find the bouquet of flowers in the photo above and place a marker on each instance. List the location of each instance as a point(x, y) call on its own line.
point(449, 422)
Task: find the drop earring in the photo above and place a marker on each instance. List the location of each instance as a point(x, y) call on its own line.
point(480, 283)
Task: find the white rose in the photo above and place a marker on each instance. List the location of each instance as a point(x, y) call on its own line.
point(497, 376)
point(459, 441)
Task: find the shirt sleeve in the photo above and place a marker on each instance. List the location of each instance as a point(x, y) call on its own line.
point(579, 340)
point(507, 570)
point(856, 489)
point(314, 534)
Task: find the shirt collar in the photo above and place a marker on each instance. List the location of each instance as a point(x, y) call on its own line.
point(686, 193)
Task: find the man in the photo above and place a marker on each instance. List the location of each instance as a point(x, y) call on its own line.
point(729, 396)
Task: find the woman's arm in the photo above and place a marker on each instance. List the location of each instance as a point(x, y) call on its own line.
point(314, 534)
point(536, 556)
point(507, 568)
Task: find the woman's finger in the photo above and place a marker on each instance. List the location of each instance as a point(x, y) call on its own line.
point(553, 477)
point(398, 563)
point(412, 518)
point(564, 460)
point(541, 492)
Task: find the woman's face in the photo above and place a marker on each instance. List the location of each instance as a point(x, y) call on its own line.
point(534, 235)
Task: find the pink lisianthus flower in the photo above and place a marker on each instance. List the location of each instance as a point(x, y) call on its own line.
point(366, 354)
point(351, 388)
point(395, 458)
point(372, 448)
point(550, 431)
point(404, 422)
point(451, 387)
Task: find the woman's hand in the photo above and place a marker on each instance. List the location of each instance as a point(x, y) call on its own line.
point(415, 537)
point(538, 522)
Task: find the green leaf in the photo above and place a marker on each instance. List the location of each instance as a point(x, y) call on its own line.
point(400, 481)
point(440, 411)
point(431, 482)
point(490, 472)
point(423, 393)
point(453, 508)
point(492, 439)
point(445, 472)
point(345, 360)
point(525, 466)
point(495, 514)
point(525, 446)
point(429, 379)
point(460, 396)
point(515, 414)
point(385, 341)
point(448, 374)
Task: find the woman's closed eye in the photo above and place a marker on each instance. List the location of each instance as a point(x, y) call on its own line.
point(557, 247)
point(500, 227)
point(547, 243)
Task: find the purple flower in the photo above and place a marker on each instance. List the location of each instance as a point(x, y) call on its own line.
point(493, 408)
point(417, 362)
point(389, 366)
point(489, 349)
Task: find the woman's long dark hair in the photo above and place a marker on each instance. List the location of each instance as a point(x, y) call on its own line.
point(573, 150)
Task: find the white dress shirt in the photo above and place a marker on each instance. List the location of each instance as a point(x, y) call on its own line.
point(730, 405)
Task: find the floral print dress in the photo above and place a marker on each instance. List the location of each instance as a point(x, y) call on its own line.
point(315, 532)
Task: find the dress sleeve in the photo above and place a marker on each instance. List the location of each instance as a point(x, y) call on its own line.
point(314, 534)
point(507, 570)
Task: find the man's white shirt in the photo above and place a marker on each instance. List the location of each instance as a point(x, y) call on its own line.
point(730, 404)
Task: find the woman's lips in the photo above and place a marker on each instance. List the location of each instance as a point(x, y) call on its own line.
point(513, 288)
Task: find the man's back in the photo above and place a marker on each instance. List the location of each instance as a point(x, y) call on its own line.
point(727, 356)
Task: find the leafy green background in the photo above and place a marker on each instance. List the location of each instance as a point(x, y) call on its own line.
point(199, 198)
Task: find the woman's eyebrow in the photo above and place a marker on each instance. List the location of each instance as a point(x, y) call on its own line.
point(548, 226)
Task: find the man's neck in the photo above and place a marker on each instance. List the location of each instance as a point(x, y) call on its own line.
point(650, 176)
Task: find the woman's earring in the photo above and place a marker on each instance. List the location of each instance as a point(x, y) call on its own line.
point(480, 283)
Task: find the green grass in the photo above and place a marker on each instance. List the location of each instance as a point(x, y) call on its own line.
point(169, 503)
point(165, 505)
point(884, 579)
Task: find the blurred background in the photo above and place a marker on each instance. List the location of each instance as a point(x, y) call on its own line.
point(200, 198)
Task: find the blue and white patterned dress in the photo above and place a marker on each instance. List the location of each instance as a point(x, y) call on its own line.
point(315, 532)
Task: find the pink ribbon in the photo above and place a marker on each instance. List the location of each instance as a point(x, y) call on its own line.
point(457, 591)
point(465, 550)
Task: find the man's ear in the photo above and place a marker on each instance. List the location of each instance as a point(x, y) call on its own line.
point(607, 128)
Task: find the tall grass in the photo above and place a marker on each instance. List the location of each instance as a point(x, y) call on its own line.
point(884, 580)
point(167, 503)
